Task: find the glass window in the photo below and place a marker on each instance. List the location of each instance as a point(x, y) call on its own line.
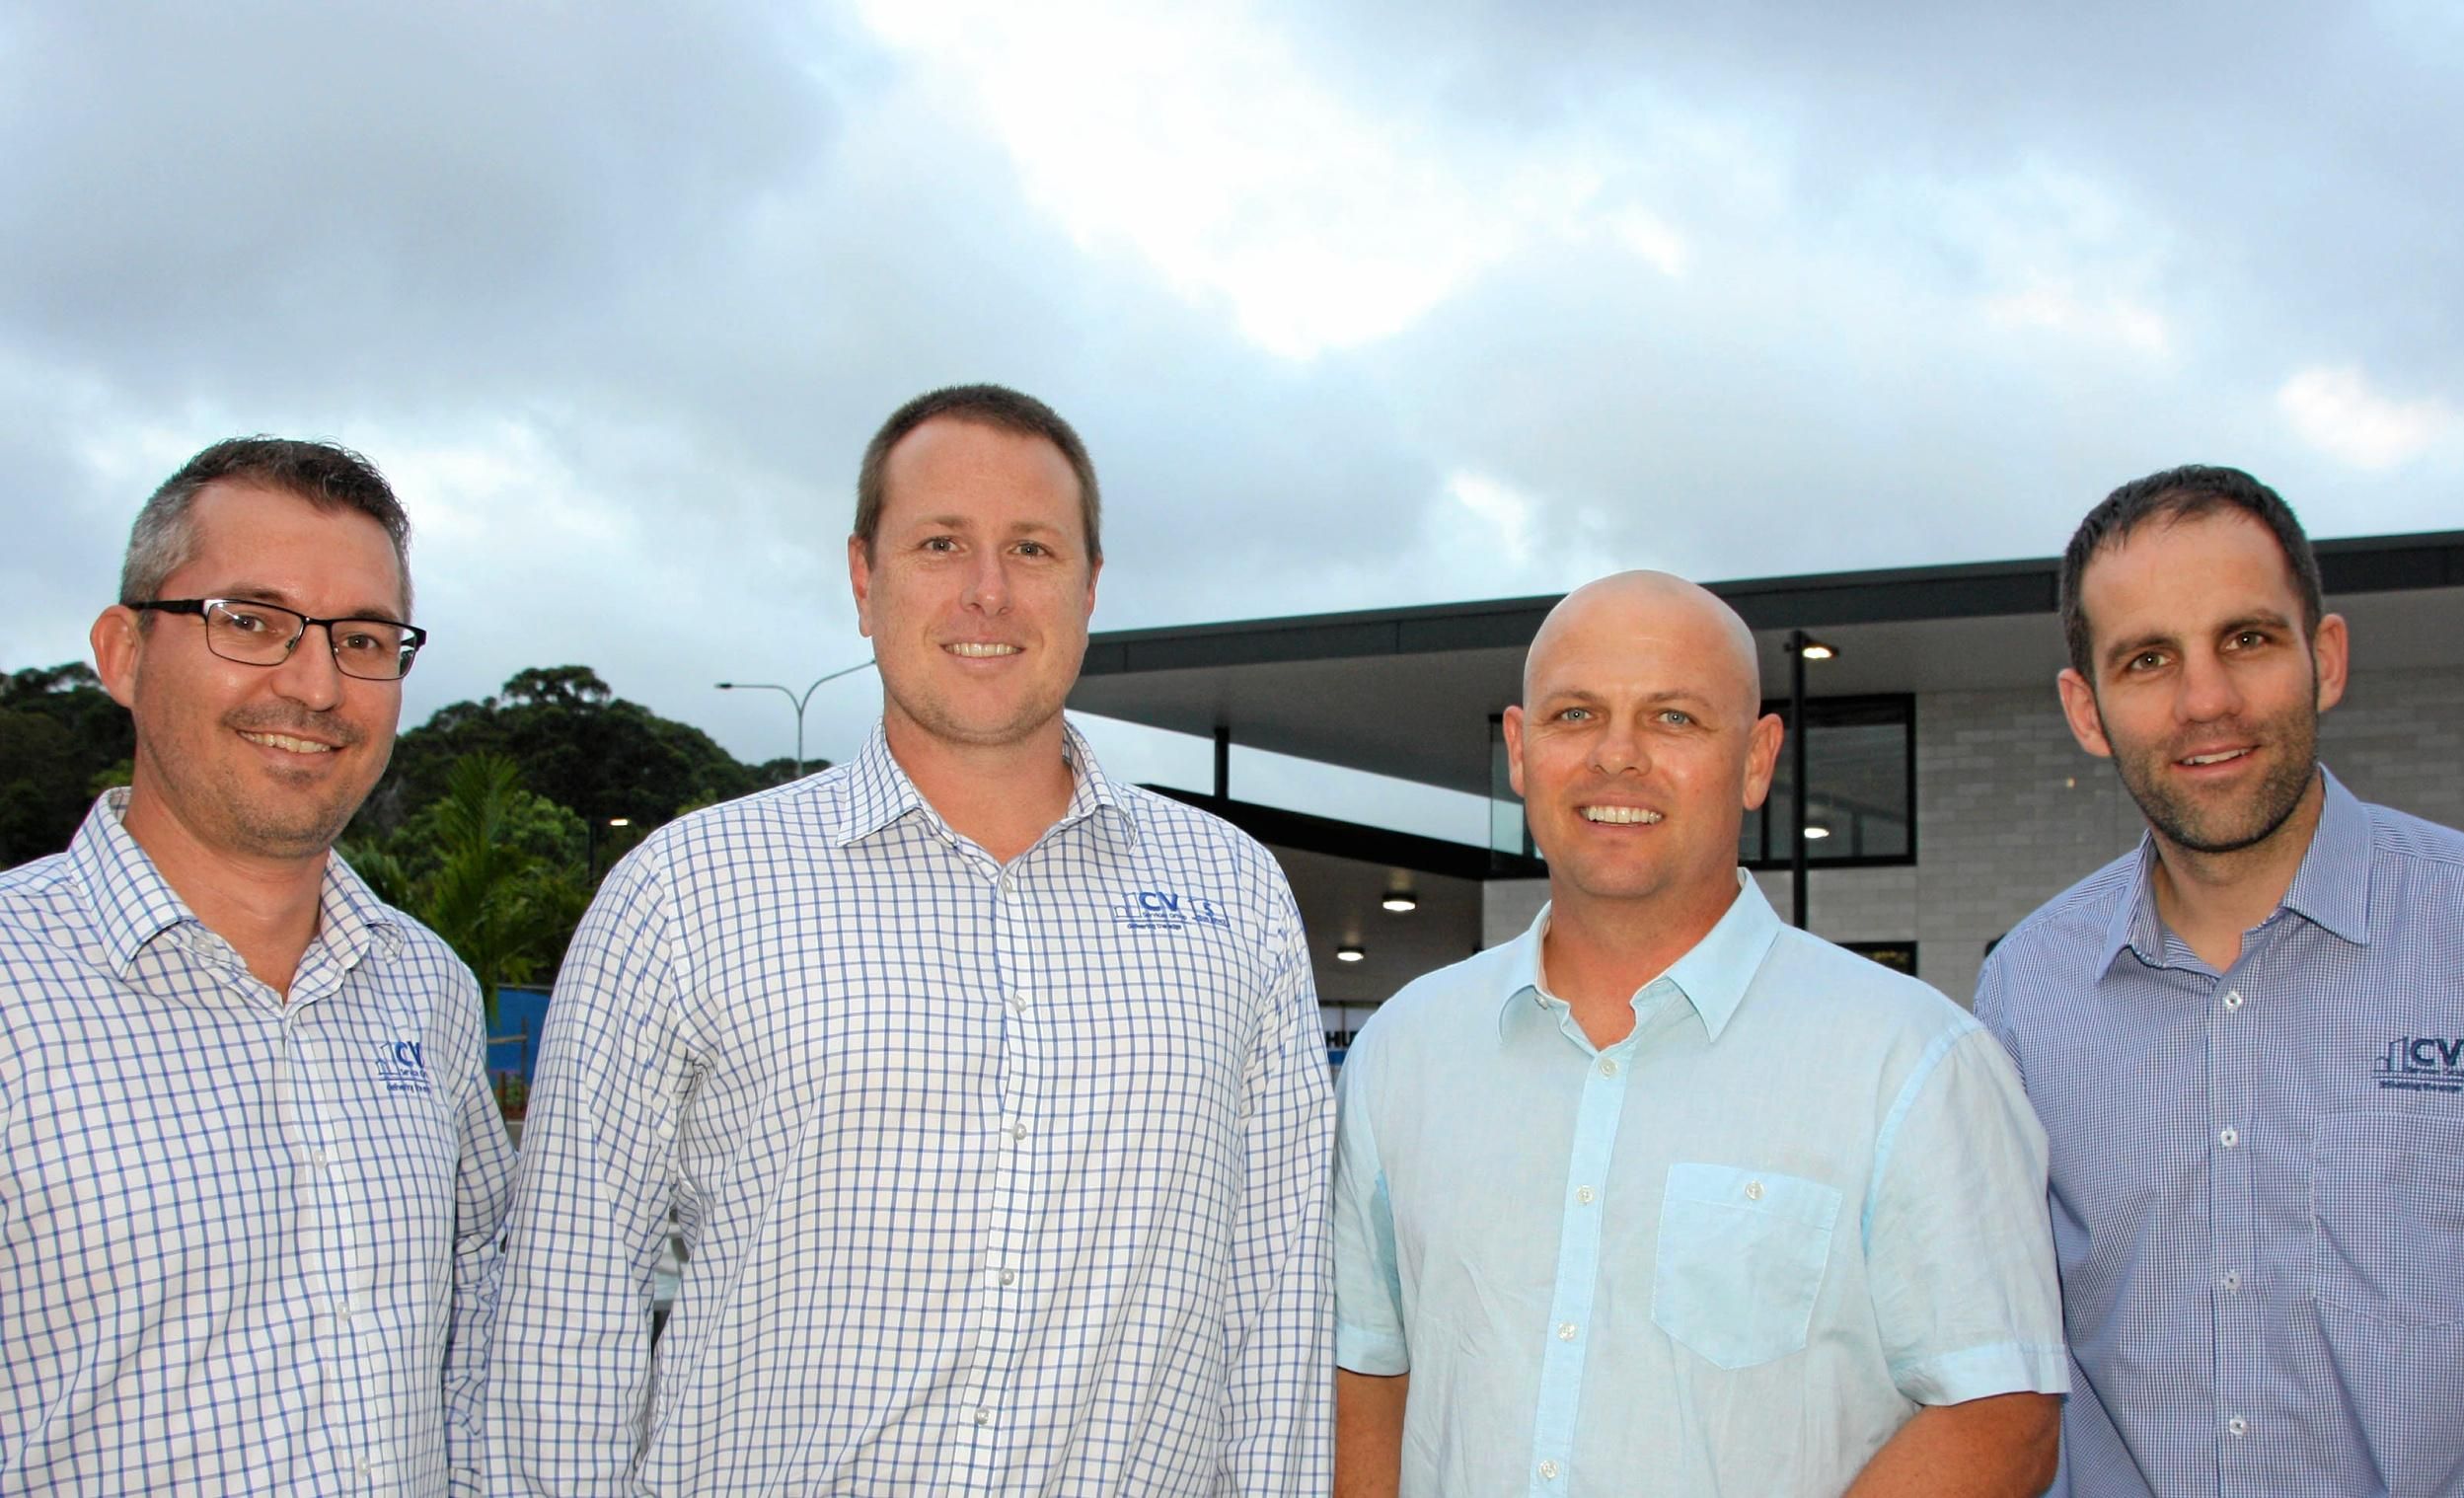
point(1860, 762)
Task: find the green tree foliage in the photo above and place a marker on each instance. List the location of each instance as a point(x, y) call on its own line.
point(62, 740)
point(489, 867)
point(580, 745)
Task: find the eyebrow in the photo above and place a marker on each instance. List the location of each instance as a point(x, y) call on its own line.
point(2257, 618)
point(252, 592)
point(963, 523)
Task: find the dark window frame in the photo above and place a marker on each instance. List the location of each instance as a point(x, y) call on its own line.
point(1817, 709)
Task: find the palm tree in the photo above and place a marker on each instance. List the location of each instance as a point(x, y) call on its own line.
point(504, 910)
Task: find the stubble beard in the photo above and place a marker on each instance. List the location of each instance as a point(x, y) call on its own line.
point(2197, 828)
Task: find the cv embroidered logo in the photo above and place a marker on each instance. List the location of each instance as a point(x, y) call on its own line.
point(1163, 909)
point(2422, 1064)
point(400, 1069)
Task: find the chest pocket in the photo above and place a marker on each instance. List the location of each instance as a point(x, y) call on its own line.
point(1741, 1260)
point(2387, 1217)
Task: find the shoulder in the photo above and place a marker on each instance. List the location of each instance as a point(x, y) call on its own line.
point(2421, 846)
point(1810, 982)
point(1432, 1012)
point(2068, 930)
point(1170, 831)
point(32, 892)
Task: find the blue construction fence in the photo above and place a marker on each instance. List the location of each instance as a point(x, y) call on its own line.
point(514, 1044)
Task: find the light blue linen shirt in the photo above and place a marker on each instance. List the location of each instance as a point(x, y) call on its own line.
point(2257, 1175)
point(1731, 1253)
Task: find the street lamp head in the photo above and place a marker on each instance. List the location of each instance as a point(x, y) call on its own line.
point(726, 686)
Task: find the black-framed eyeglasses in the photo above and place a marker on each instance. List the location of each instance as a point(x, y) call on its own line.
point(257, 634)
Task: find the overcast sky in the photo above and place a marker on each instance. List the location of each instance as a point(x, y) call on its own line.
point(1355, 305)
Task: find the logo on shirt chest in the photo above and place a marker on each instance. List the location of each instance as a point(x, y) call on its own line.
point(399, 1068)
point(2422, 1064)
point(1167, 910)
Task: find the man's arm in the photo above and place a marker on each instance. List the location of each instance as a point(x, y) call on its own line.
point(2002, 1446)
point(483, 1188)
point(1960, 1258)
point(1368, 1433)
point(1283, 1312)
point(568, 1390)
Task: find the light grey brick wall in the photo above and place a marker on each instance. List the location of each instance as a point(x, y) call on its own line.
point(2010, 812)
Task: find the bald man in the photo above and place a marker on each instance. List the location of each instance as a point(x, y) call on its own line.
point(1664, 1196)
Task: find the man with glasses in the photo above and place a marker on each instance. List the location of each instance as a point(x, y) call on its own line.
point(250, 1169)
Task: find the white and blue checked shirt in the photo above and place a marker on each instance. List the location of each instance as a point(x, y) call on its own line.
point(2258, 1175)
point(993, 1179)
point(246, 1247)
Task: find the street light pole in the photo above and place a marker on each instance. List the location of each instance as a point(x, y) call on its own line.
point(800, 699)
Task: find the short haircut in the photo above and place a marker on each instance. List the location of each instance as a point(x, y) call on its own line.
point(993, 406)
point(2172, 497)
point(323, 473)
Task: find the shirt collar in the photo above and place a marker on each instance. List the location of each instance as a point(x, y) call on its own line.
point(880, 793)
point(1713, 975)
point(2331, 890)
point(133, 903)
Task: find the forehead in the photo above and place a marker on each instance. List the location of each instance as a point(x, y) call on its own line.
point(2187, 573)
point(951, 467)
point(1620, 648)
point(254, 537)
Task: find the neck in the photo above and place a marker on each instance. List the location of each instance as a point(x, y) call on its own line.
point(1000, 797)
point(2209, 899)
point(265, 906)
point(1599, 951)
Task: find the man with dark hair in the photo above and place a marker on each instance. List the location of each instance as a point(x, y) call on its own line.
point(2245, 1038)
point(252, 1174)
point(989, 1096)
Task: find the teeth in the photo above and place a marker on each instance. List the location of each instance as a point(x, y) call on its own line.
point(974, 650)
point(285, 741)
point(1623, 816)
point(2215, 759)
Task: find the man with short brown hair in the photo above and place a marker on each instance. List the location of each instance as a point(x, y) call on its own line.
point(988, 1093)
point(2245, 1037)
point(252, 1170)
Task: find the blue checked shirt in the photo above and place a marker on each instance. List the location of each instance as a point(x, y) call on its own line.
point(2258, 1175)
point(993, 1179)
point(1731, 1253)
point(246, 1247)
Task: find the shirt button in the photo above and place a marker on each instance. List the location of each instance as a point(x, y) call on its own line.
point(1017, 1130)
point(2238, 1426)
point(1753, 1191)
point(1584, 1194)
point(2230, 1138)
point(1009, 1276)
point(1565, 1331)
point(1607, 1068)
point(2232, 1279)
point(2233, 1000)
point(1548, 1472)
point(982, 1416)
point(325, 1162)
point(1017, 1002)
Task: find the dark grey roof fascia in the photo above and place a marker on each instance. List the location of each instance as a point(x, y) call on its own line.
point(1961, 590)
point(1278, 828)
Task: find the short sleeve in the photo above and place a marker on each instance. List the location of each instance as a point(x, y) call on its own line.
point(1369, 1290)
point(1959, 1249)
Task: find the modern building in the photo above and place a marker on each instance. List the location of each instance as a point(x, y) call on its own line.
point(1946, 798)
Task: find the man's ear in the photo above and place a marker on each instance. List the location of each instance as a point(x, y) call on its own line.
point(1514, 746)
point(2331, 648)
point(859, 579)
point(2087, 723)
point(1763, 757)
point(117, 640)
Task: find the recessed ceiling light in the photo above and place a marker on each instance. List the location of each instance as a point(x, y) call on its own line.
point(1815, 830)
point(1400, 900)
point(1349, 953)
